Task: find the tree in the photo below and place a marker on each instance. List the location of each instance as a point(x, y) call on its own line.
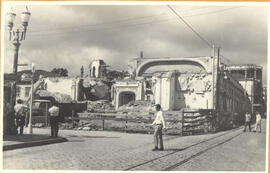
point(60, 71)
point(114, 74)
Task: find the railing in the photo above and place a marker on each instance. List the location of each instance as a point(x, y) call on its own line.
point(197, 122)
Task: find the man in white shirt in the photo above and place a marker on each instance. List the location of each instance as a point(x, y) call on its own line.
point(54, 118)
point(158, 124)
point(20, 111)
point(247, 121)
point(258, 122)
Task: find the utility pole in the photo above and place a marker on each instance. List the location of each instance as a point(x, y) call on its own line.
point(213, 77)
point(217, 79)
point(30, 129)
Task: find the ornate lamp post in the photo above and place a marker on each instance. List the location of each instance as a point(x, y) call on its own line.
point(16, 36)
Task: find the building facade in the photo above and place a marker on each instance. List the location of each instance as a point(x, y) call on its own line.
point(204, 85)
point(250, 77)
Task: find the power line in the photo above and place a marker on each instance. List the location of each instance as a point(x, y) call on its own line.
point(190, 27)
point(117, 21)
point(130, 20)
point(129, 25)
point(203, 39)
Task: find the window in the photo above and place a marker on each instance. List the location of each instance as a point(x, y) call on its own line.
point(18, 91)
point(27, 91)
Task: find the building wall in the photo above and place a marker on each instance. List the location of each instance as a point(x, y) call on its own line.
point(175, 91)
point(98, 67)
point(135, 87)
point(23, 91)
point(164, 90)
point(194, 91)
point(69, 86)
point(232, 101)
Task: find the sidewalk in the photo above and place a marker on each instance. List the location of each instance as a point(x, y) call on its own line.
point(11, 142)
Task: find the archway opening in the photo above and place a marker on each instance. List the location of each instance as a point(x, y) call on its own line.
point(126, 97)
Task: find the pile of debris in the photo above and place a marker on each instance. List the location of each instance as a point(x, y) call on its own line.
point(95, 89)
point(138, 107)
point(100, 105)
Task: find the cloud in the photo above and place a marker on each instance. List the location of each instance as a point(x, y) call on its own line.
point(70, 36)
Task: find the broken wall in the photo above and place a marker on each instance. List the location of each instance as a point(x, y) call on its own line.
point(63, 85)
point(193, 90)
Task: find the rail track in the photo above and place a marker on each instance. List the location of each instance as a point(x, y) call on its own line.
point(179, 163)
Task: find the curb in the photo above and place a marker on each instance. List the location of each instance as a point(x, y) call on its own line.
point(34, 143)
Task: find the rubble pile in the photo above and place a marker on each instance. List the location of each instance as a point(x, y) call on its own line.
point(96, 89)
point(100, 105)
point(138, 108)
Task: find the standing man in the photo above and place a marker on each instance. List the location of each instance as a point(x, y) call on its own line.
point(20, 111)
point(54, 118)
point(258, 121)
point(158, 124)
point(247, 121)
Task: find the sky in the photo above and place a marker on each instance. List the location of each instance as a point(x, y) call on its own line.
point(71, 36)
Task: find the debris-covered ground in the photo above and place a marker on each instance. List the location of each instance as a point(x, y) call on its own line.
point(135, 117)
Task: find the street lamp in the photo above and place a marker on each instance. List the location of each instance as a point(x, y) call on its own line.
point(16, 36)
point(30, 129)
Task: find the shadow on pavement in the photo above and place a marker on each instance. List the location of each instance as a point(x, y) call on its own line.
point(25, 137)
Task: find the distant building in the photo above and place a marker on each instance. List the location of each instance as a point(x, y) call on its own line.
point(250, 77)
point(23, 82)
point(70, 86)
point(97, 68)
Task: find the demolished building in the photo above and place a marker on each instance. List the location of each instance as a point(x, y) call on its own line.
point(204, 85)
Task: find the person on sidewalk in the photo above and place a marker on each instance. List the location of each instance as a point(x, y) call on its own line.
point(247, 121)
point(258, 121)
point(20, 111)
point(54, 118)
point(158, 124)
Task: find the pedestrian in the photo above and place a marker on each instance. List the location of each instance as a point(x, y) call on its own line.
point(247, 121)
point(54, 119)
point(158, 124)
point(258, 121)
point(20, 111)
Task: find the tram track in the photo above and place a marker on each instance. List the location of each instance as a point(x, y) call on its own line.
point(171, 167)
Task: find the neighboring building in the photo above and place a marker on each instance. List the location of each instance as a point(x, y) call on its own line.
point(250, 77)
point(23, 90)
point(23, 81)
point(64, 85)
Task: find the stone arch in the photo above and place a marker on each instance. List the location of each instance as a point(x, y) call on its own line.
point(124, 97)
point(170, 61)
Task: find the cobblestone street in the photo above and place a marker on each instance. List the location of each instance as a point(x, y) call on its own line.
point(101, 150)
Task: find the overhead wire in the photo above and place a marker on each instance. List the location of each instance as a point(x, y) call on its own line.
point(190, 27)
point(121, 26)
point(195, 32)
point(116, 21)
